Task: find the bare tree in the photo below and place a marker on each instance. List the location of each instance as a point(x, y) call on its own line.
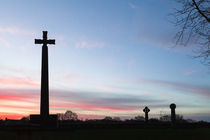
point(139, 118)
point(193, 18)
point(108, 118)
point(68, 115)
point(167, 118)
point(116, 119)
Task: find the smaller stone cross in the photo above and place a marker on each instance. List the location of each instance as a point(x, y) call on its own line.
point(146, 110)
point(173, 113)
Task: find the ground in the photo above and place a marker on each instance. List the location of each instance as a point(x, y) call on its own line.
point(109, 134)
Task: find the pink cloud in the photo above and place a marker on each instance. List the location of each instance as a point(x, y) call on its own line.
point(17, 96)
point(14, 102)
point(72, 76)
point(16, 30)
point(145, 92)
point(163, 95)
point(28, 101)
point(18, 103)
point(11, 30)
point(187, 73)
point(87, 106)
point(18, 82)
point(13, 97)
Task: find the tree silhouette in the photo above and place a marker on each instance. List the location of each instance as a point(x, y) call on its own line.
point(167, 118)
point(68, 115)
point(139, 118)
point(193, 18)
point(108, 118)
point(116, 119)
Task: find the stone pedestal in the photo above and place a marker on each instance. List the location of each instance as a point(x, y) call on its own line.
point(51, 122)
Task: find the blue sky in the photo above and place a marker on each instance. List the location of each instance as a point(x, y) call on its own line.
point(111, 58)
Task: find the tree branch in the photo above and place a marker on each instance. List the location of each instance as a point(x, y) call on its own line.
point(196, 6)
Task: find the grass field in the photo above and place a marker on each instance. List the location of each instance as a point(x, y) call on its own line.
point(109, 134)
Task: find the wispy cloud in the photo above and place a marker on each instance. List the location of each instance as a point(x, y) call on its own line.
point(16, 30)
point(25, 101)
point(145, 92)
point(71, 80)
point(112, 88)
point(89, 44)
point(4, 43)
point(90, 116)
point(103, 100)
point(131, 5)
point(86, 106)
point(19, 81)
point(190, 72)
point(186, 87)
point(18, 94)
point(203, 90)
point(72, 76)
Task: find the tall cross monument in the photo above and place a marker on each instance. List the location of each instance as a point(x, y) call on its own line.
point(44, 105)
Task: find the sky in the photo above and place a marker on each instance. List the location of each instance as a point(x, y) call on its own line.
point(111, 58)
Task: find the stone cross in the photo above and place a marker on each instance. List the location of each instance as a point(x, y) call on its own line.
point(173, 113)
point(146, 110)
point(44, 105)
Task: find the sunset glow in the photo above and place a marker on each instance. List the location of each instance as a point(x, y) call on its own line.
point(111, 58)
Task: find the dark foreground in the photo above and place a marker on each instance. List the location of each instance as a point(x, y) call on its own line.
point(105, 130)
point(108, 134)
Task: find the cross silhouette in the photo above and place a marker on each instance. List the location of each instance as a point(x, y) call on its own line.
point(44, 104)
point(44, 41)
point(146, 110)
point(173, 113)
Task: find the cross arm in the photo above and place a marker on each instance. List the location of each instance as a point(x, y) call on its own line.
point(38, 41)
point(51, 41)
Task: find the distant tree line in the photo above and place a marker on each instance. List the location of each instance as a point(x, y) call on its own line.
point(70, 115)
